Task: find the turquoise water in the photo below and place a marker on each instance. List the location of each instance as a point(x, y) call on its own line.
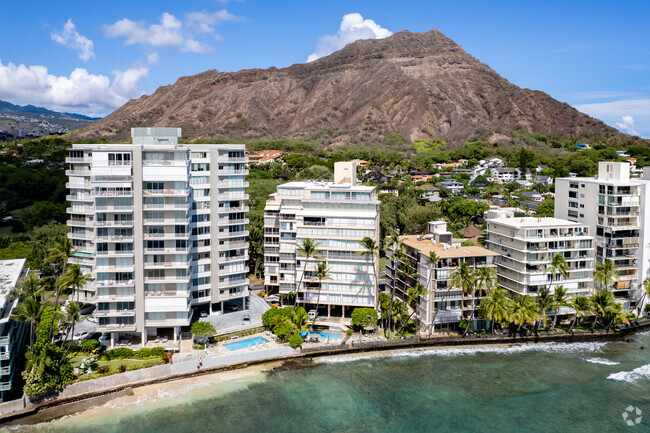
point(581, 387)
point(322, 335)
point(246, 343)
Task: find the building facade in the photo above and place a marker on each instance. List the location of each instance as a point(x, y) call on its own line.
point(159, 228)
point(444, 304)
point(616, 208)
point(527, 245)
point(337, 215)
point(13, 335)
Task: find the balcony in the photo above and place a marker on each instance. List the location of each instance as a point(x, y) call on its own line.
point(112, 193)
point(227, 172)
point(238, 234)
point(163, 265)
point(77, 160)
point(5, 355)
point(114, 253)
point(229, 222)
point(114, 223)
point(112, 327)
point(114, 283)
point(88, 210)
point(115, 298)
point(168, 293)
point(5, 371)
point(114, 238)
point(232, 259)
point(225, 158)
point(4, 340)
point(165, 162)
point(114, 313)
point(85, 172)
point(70, 197)
point(166, 191)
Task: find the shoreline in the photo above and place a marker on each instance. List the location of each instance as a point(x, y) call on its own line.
point(78, 404)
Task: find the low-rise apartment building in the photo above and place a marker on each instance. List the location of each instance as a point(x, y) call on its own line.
point(527, 246)
point(444, 305)
point(336, 215)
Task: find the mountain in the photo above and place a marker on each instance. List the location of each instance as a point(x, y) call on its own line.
point(18, 121)
point(9, 107)
point(419, 85)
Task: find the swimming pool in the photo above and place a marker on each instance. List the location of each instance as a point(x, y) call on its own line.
point(236, 345)
point(322, 335)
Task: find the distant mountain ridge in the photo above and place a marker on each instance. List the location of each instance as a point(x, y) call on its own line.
point(417, 85)
point(8, 106)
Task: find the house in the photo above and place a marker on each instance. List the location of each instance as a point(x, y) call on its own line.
point(428, 192)
point(505, 174)
point(264, 157)
point(532, 196)
point(388, 190)
point(472, 233)
point(544, 180)
point(378, 176)
point(452, 185)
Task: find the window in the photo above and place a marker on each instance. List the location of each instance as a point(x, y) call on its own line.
point(119, 159)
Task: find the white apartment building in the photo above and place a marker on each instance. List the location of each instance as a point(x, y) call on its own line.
point(527, 245)
point(160, 229)
point(616, 208)
point(337, 215)
point(14, 335)
point(443, 305)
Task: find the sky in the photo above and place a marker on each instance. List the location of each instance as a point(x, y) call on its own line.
point(92, 57)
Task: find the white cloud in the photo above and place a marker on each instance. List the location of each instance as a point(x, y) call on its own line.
point(171, 33)
point(153, 58)
point(203, 22)
point(79, 92)
point(627, 125)
point(353, 27)
point(623, 107)
point(69, 37)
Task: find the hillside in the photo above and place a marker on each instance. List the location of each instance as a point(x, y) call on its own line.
point(28, 120)
point(419, 85)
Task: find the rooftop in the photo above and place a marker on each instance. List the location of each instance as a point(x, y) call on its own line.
point(425, 246)
point(317, 185)
point(10, 272)
point(534, 222)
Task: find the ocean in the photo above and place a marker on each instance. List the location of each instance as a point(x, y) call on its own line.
point(579, 387)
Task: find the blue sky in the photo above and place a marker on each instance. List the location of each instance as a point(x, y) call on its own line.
point(91, 57)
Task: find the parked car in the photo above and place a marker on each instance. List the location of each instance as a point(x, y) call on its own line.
point(246, 319)
point(92, 319)
point(80, 335)
point(204, 314)
point(105, 339)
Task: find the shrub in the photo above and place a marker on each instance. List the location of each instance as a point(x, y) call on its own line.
point(295, 340)
point(198, 346)
point(88, 346)
point(146, 353)
point(349, 332)
point(73, 344)
point(123, 368)
point(203, 330)
point(103, 369)
point(119, 353)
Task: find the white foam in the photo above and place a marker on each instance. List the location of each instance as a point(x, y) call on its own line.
point(631, 376)
point(464, 351)
point(602, 361)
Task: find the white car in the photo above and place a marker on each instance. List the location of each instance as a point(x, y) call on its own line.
point(80, 335)
point(105, 339)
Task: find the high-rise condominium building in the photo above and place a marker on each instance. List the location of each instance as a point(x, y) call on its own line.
point(527, 246)
point(444, 304)
point(13, 335)
point(617, 210)
point(336, 215)
point(160, 229)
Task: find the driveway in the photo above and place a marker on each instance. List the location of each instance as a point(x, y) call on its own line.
point(232, 321)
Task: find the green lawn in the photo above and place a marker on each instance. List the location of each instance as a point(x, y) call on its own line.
point(5, 231)
point(114, 365)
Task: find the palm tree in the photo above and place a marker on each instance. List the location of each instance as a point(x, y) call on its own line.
point(59, 255)
point(414, 294)
point(75, 278)
point(523, 310)
point(582, 305)
point(494, 307)
point(558, 266)
point(395, 244)
point(29, 311)
point(646, 293)
point(321, 274)
point(431, 262)
point(372, 248)
point(70, 318)
point(463, 278)
point(308, 249)
point(545, 303)
point(560, 300)
point(405, 271)
point(485, 280)
point(29, 286)
point(603, 303)
point(605, 273)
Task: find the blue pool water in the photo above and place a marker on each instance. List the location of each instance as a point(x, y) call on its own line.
point(246, 343)
point(322, 335)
